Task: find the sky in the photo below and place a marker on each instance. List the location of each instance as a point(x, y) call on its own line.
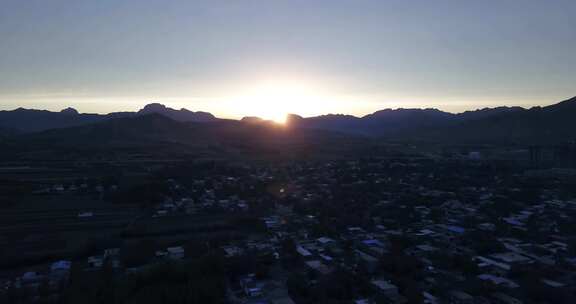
point(264, 58)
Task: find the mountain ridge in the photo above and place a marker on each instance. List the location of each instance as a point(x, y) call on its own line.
point(156, 134)
point(500, 123)
point(537, 125)
point(33, 120)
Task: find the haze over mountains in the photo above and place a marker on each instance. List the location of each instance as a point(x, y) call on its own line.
point(554, 123)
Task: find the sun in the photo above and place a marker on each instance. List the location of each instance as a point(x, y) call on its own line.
point(274, 101)
point(280, 119)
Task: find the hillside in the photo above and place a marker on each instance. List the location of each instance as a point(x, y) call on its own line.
point(30, 120)
point(157, 135)
point(394, 122)
point(550, 124)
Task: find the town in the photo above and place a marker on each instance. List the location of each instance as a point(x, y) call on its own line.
point(427, 229)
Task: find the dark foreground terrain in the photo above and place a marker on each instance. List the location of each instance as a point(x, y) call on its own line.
point(443, 225)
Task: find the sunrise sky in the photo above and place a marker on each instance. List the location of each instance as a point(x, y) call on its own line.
point(266, 58)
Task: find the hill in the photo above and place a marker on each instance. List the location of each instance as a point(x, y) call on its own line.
point(155, 135)
point(538, 125)
point(178, 115)
point(393, 122)
point(30, 120)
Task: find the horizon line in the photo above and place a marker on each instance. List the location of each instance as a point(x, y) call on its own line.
point(311, 116)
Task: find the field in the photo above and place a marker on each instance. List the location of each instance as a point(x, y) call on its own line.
point(48, 226)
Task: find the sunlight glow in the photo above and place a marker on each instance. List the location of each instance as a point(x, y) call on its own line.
point(274, 101)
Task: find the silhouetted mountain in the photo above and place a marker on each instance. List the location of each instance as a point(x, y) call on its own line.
point(387, 122)
point(332, 122)
point(178, 115)
point(130, 129)
point(390, 122)
point(28, 120)
point(155, 133)
point(70, 111)
point(487, 112)
point(502, 124)
point(551, 124)
point(256, 120)
point(294, 119)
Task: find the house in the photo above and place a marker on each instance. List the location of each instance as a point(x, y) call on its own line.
point(496, 280)
point(31, 277)
point(86, 214)
point(426, 248)
point(486, 262)
point(455, 229)
point(160, 213)
point(355, 230)
point(303, 251)
point(376, 247)
point(326, 258)
point(272, 222)
point(283, 300)
point(112, 255)
point(95, 262)
point(385, 288)
point(501, 298)
point(59, 272)
point(460, 297)
point(230, 251)
point(487, 227)
point(111, 252)
point(429, 299)
point(319, 267)
point(250, 286)
point(369, 261)
point(425, 232)
point(323, 241)
point(175, 253)
point(60, 268)
point(511, 258)
point(552, 284)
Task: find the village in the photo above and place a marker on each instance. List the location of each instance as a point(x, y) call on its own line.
point(407, 230)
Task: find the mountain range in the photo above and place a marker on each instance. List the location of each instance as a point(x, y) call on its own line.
point(30, 120)
point(392, 122)
point(554, 123)
point(155, 136)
